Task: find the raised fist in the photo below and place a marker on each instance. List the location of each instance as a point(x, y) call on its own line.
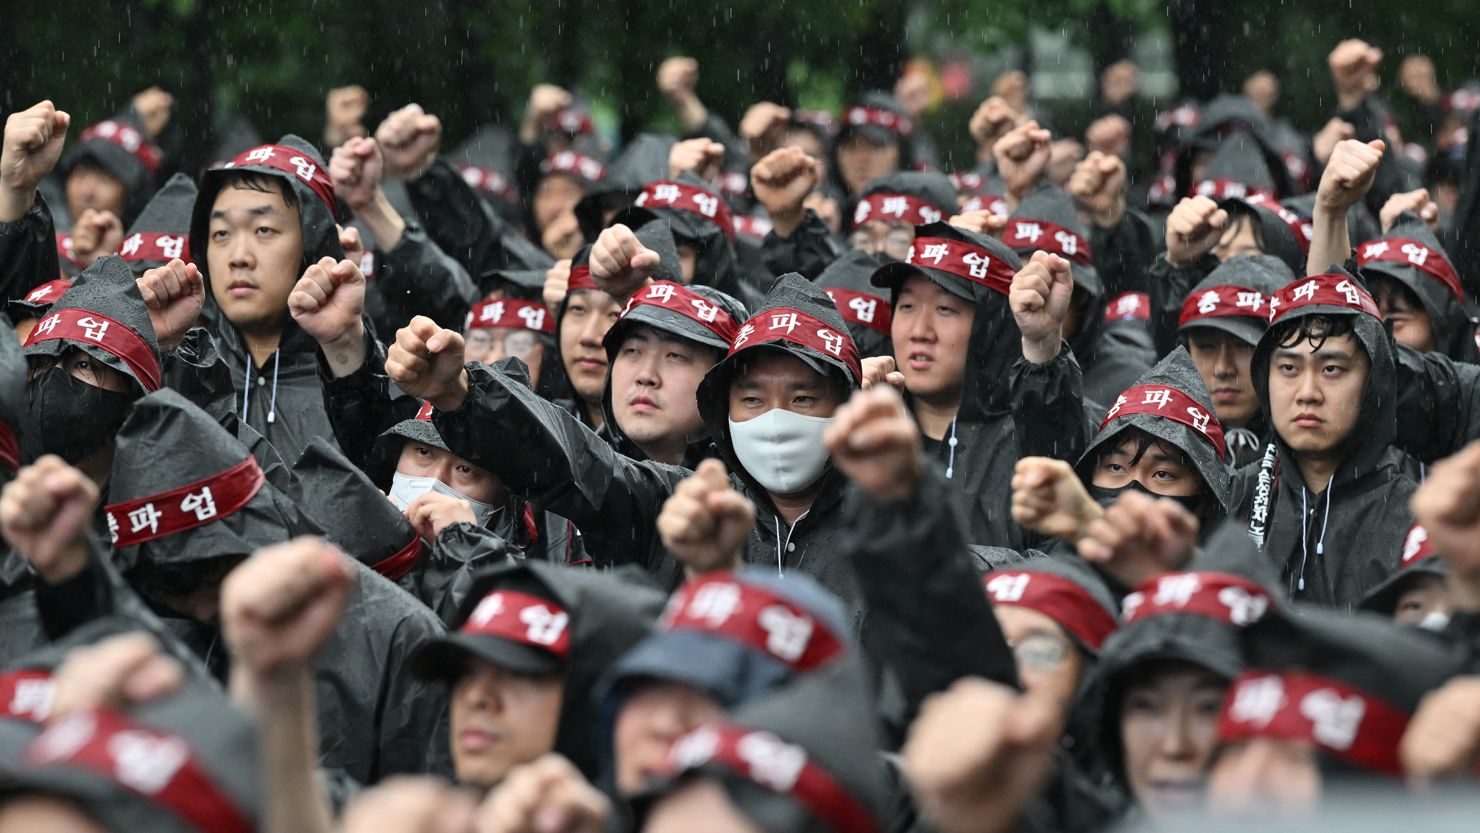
point(1194, 227)
point(344, 113)
point(557, 280)
point(1110, 135)
point(1022, 154)
point(327, 303)
point(426, 361)
point(46, 514)
point(174, 294)
point(620, 264)
point(32, 145)
point(701, 157)
point(1324, 142)
point(116, 672)
point(562, 237)
point(677, 77)
point(1098, 185)
point(154, 107)
point(433, 512)
point(1416, 203)
point(94, 234)
point(1349, 174)
point(1039, 297)
point(782, 181)
point(406, 804)
point(1443, 738)
point(981, 220)
point(355, 169)
point(763, 126)
point(282, 604)
point(705, 523)
point(1354, 65)
point(881, 370)
point(547, 795)
point(991, 121)
point(1139, 538)
point(875, 443)
point(408, 140)
point(1047, 497)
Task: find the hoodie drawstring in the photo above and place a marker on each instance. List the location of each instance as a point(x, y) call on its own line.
point(1320, 542)
point(951, 459)
point(277, 359)
point(247, 388)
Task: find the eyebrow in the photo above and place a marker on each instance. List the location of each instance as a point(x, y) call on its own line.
point(254, 211)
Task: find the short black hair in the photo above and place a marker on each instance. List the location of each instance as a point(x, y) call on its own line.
point(1313, 328)
point(1239, 211)
point(264, 183)
point(1387, 288)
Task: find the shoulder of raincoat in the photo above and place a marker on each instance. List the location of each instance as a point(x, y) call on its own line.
point(458, 553)
point(1048, 410)
point(28, 252)
point(1439, 401)
point(1446, 305)
point(417, 278)
point(1168, 286)
point(1124, 252)
point(808, 251)
point(195, 369)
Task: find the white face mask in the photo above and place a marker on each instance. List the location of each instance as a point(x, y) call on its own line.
point(405, 489)
point(781, 449)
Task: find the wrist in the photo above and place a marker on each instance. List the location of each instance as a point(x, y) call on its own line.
point(1045, 349)
point(384, 222)
point(787, 219)
point(270, 692)
point(1110, 217)
point(453, 399)
point(1181, 259)
point(1089, 512)
point(15, 203)
point(346, 352)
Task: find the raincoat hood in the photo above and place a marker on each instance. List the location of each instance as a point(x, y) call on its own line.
point(1222, 300)
point(1065, 590)
point(644, 160)
point(162, 231)
point(1224, 118)
point(103, 314)
point(866, 310)
point(698, 217)
point(1048, 221)
point(1419, 559)
point(1411, 255)
point(121, 148)
point(12, 403)
point(343, 501)
point(913, 197)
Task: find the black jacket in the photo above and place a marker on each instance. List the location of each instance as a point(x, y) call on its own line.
point(28, 252)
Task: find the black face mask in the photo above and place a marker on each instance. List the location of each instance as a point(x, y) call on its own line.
point(70, 418)
point(1106, 497)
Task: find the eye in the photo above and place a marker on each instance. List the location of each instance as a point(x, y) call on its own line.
point(1287, 368)
point(220, 234)
point(423, 451)
point(264, 231)
point(465, 469)
point(945, 310)
point(904, 306)
point(1141, 704)
point(803, 400)
point(575, 308)
point(1115, 468)
point(629, 351)
point(1333, 370)
point(679, 358)
point(750, 401)
point(1163, 474)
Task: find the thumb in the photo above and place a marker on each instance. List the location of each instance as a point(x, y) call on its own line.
point(1378, 145)
point(645, 259)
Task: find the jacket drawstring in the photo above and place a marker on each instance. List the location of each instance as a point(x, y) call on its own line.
point(247, 388)
point(1320, 542)
point(780, 570)
point(951, 443)
point(277, 359)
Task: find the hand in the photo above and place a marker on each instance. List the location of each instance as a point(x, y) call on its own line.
point(1047, 497)
point(981, 221)
point(1039, 297)
point(433, 512)
point(174, 294)
point(1022, 154)
point(328, 302)
point(344, 114)
point(1098, 185)
point(349, 240)
point(827, 210)
point(547, 795)
point(545, 100)
point(32, 145)
point(1119, 81)
point(705, 523)
point(355, 169)
point(1417, 77)
point(410, 805)
point(562, 237)
point(1349, 174)
point(677, 78)
point(96, 233)
point(46, 514)
point(154, 107)
point(701, 157)
point(1139, 538)
point(1324, 143)
point(978, 753)
point(875, 443)
point(1447, 504)
point(557, 279)
point(1194, 227)
point(427, 362)
point(620, 264)
point(782, 181)
point(409, 139)
point(1443, 738)
point(1110, 135)
point(991, 121)
point(1416, 203)
point(1354, 65)
point(763, 126)
point(881, 370)
point(281, 605)
point(115, 672)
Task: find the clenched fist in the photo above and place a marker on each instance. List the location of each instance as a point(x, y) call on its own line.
point(782, 181)
point(409, 139)
point(705, 523)
point(1047, 497)
point(46, 513)
point(1039, 296)
point(700, 157)
point(763, 126)
point(1443, 738)
point(1194, 227)
point(344, 114)
point(174, 294)
point(875, 443)
point(620, 264)
point(1098, 186)
point(115, 673)
point(991, 121)
point(94, 234)
point(1349, 174)
point(355, 169)
point(1140, 537)
point(1416, 203)
point(427, 362)
point(433, 512)
point(32, 145)
point(1022, 154)
point(327, 302)
point(283, 603)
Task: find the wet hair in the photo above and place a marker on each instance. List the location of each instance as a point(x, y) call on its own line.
point(262, 183)
point(1312, 328)
point(1240, 212)
point(1143, 442)
point(1385, 288)
point(834, 377)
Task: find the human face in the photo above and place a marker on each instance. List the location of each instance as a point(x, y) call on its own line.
point(41, 812)
point(1223, 361)
point(500, 720)
point(878, 238)
point(421, 460)
point(255, 255)
point(89, 187)
point(698, 805)
point(1163, 469)
point(1238, 239)
point(930, 331)
point(774, 380)
point(1423, 596)
point(860, 161)
point(556, 194)
point(489, 344)
point(1048, 663)
point(807, 142)
point(650, 720)
point(1169, 728)
point(85, 368)
point(654, 381)
point(1265, 777)
point(1315, 395)
point(589, 314)
point(1412, 326)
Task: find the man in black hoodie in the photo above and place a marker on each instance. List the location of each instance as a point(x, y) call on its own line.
point(32, 145)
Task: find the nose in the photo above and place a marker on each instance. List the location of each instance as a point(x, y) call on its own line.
point(922, 327)
point(1223, 365)
point(442, 469)
point(1309, 390)
point(593, 331)
point(647, 371)
point(477, 691)
point(1176, 742)
point(241, 253)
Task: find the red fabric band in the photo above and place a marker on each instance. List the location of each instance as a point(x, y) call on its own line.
point(294, 163)
point(510, 312)
point(1224, 301)
point(424, 413)
point(989, 202)
point(155, 765)
point(967, 181)
point(1409, 252)
point(86, 327)
point(192, 505)
point(1222, 596)
point(770, 762)
point(64, 248)
point(878, 117)
point(570, 120)
point(754, 617)
point(863, 309)
point(1228, 189)
point(152, 246)
point(755, 228)
point(10, 450)
point(576, 164)
point(521, 618)
point(1044, 236)
point(1299, 226)
point(48, 292)
point(895, 208)
point(1169, 403)
point(1129, 306)
point(1056, 597)
point(1417, 546)
point(27, 695)
point(963, 260)
point(1322, 290)
point(676, 195)
point(680, 299)
point(400, 563)
point(129, 138)
point(1296, 705)
point(801, 329)
point(580, 278)
point(487, 179)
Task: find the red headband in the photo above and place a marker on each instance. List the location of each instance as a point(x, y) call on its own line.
point(676, 195)
point(1417, 546)
point(10, 450)
point(1047, 237)
point(862, 308)
point(189, 506)
point(1409, 252)
point(133, 142)
point(967, 181)
point(991, 202)
point(510, 312)
point(1298, 225)
point(1056, 597)
point(424, 413)
point(87, 327)
point(734, 183)
point(1169, 403)
point(570, 162)
point(878, 117)
point(48, 292)
point(521, 618)
point(401, 561)
point(686, 302)
point(895, 208)
point(570, 120)
point(27, 694)
point(294, 163)
point(156, 765)
point(752, 616)
point(1129, 306)
point(155, 246)
point(1297, 705)
point(1224, 301)
point(1228, 189)
point(1225, 597)
point(1323, 290)
point(580, 278)
point(767, 761)
point(64, 248)
point(486, 179)
point(753, 227)
point(964, 260)
point(801, 329)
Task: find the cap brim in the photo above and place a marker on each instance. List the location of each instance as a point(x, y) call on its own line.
point(893, 275)
point(1384, 597)
point(729, 672)
point(417, 430)
point(665, 321)
point(872, 132)
point(446, 657)
point(1246, 329)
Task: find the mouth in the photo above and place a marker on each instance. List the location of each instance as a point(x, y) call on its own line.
point(1178, 793)
point(1308, 421)
point(1227, 394)
point(589, 365)
point(920, 361)
point(238, 289)
point(642, 405)
point(473, 740)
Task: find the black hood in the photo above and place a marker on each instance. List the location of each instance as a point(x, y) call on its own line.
point(609, 613)
point(1225, 117)
point(1053, 206)
point(353, 513)
point(1177, 372)
point(122, 149)
point(162, 231)
point(644, 160)
point(1436, 282)
point(108, 289)
point(12, 401)
point(932, 188)
point(1238, 169)
point(713, 239)
point(1265, 274)
point(868, 316)
point(901, 134)
point(1280, 230)
point(1419, 559)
